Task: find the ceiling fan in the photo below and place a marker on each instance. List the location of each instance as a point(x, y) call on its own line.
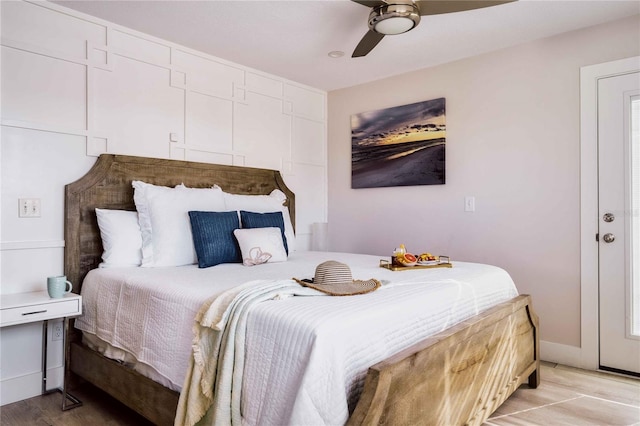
point(398, 16)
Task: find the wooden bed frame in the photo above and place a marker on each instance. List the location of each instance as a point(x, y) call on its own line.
point(459, 376)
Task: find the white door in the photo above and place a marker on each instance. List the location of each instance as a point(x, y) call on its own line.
point(619, 221)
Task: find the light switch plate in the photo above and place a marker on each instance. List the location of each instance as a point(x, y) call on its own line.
point(469, 204)
point(28, 207)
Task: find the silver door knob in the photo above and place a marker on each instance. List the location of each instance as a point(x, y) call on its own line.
point(608, 238)
point(608, 217)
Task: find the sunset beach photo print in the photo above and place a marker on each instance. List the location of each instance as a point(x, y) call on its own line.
point(399, 146)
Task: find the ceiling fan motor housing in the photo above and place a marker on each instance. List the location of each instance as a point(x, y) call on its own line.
point(393, 18)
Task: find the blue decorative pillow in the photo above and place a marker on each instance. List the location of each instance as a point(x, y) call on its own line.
point(264, 220)
point(213, 237)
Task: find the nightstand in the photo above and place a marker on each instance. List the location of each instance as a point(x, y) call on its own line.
point(23, 308)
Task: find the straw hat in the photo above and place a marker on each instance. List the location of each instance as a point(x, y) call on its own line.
point(335, 278)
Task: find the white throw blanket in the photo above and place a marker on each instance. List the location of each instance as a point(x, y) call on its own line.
point(212, 389)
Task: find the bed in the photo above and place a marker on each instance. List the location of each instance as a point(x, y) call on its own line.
point(457, 376)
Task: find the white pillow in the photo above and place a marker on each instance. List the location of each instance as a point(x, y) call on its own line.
point(264, 204)
point(260, 245)
point(163, 214)
point(121, 239)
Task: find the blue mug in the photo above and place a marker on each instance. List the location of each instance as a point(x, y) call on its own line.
point(57, 287)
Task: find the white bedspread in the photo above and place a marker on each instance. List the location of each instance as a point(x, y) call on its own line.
point(305, 358)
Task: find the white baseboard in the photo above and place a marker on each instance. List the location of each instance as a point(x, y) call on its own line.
point(561, 354)
point(30, 385)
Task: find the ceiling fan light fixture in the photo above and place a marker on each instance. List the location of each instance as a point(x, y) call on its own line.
point(393, 19)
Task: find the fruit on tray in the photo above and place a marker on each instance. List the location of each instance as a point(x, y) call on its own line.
point(407, 259)
point(426, 257)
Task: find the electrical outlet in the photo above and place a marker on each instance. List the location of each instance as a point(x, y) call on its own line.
point(57, 331)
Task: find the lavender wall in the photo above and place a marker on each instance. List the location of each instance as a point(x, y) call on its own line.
point(513, 142)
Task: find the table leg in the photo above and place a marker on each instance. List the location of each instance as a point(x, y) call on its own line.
point(45, 325)
point(75, 402)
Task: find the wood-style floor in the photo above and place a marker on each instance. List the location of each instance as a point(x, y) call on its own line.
point(566, 396)
point(569, 396)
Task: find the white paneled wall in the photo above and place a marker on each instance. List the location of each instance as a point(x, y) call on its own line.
point(74, 87)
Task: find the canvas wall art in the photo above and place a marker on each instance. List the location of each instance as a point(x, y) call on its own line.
point(399, 146)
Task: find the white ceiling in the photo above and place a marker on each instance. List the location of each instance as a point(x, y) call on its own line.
point(292, 38)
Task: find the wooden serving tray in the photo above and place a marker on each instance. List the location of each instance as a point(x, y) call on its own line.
point(445, 262)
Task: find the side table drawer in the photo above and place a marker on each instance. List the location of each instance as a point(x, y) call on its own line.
point(40, 312)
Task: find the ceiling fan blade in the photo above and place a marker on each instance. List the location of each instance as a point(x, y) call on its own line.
point(370, 3)
point(368, 42)
point(436, 7)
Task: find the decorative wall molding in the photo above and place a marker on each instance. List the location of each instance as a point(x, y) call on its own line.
point(38, 50)
point(179, 79)
point(294, 100)
point(97, 145)
point(98, 56)
point(44, 127)
point(247, 90)
point(31, 245)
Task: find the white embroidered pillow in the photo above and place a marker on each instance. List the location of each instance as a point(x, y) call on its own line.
point(260, 245)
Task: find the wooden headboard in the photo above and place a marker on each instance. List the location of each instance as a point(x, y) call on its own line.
point(108, 186)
